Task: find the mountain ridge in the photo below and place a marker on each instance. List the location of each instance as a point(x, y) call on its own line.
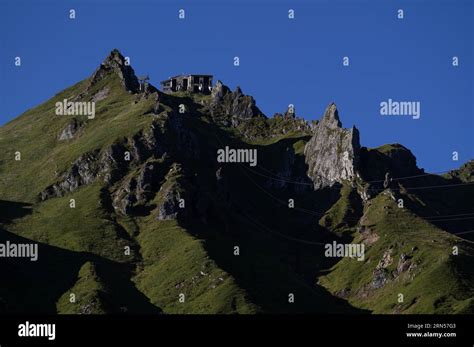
point(143, 175)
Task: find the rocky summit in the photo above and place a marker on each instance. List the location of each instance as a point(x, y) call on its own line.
point(333, 153)
point(133, 212)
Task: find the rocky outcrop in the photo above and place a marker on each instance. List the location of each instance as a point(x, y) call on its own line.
point(170, 204)
point(110, 164)
point(138, 189)
point(380, 278)
point(404, 264)
point(240, 105)
point(70, 130)
point(113, 163)
point(237, 110)
point(392, 159)
point(218, 92)
point(380, 166)
point(125, 198)
point(233, 104)
point(282, 124)
point(169, 209)
point(84, 170)
point(332, 154)
point(115, 63)
point(101, 94)
point(382, 275)
point(465, 173)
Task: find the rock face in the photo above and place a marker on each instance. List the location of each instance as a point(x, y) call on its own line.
point(110, 164)
point(332, 154)
point(241, 105)
point(84, 170)
point(381, 165)
point(101, 94)
point(218, 92)
point(169, 209)
point(170, 195)
point(404, 263)
point(465, 173)
point(380, 274)
point(289, 122)
point(380, 278)
point(69, 130)
point(115, 62)
point(234, 104)
point(394, 159)
point(137, 190)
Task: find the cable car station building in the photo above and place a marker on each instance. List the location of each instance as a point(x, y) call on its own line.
point(191, 83)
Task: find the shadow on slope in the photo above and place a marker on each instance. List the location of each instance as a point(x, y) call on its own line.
point(446, 203)
point(271, 265)
point(12, 210)
point(35, 286)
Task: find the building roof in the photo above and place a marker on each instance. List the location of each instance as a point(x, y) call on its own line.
point(186, 75)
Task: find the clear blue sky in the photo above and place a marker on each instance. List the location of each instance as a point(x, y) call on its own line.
point(282, 61)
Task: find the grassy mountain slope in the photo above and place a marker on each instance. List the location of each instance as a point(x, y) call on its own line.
point(35, 135)
point(90, 228)
point(430, 278)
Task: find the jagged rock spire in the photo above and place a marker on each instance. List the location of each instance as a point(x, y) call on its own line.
point(114, 56)
point(219, 91)
point(115, 62)
point(331, 116)
point(332, 154)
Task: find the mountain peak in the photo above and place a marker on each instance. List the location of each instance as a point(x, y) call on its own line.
point(332, 154)
point(114, 56)
point(331, 116)
point(116, 63)
point(219, 91)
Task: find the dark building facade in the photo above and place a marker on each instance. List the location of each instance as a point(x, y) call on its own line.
point(191, 83)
